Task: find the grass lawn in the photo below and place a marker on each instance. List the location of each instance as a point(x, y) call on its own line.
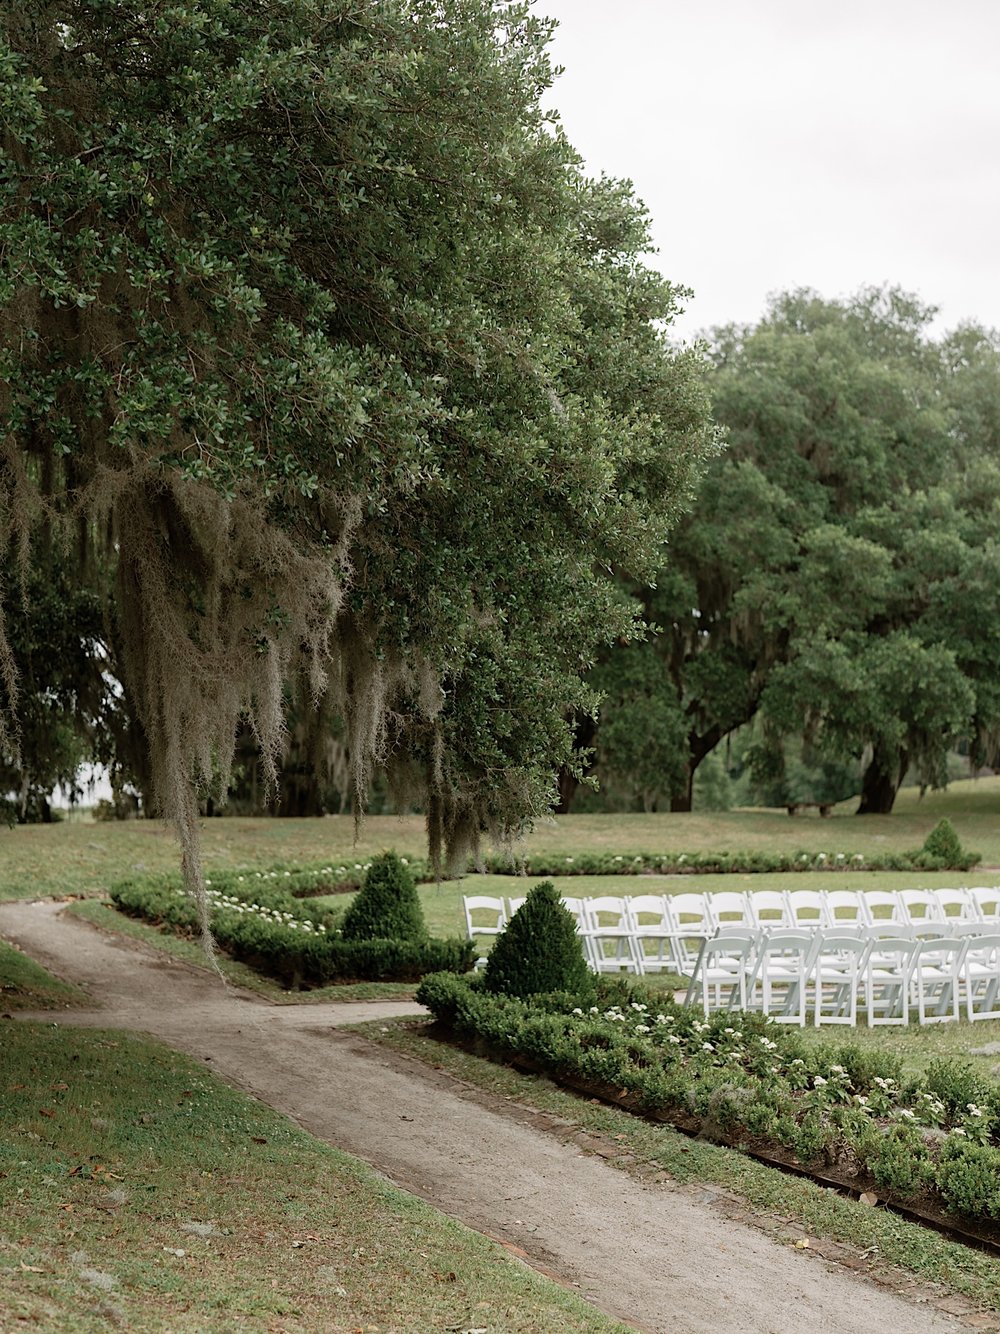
point(80, 857)
point(136, 1189)
point(24, 985)
point(109, 1145)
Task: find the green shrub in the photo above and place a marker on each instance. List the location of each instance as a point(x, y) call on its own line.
point(942, 850)
point(968, 1177)
point(387, 906)
point(539, 950)
point(956, 1084)
point(899, 1162)
point(293, 941)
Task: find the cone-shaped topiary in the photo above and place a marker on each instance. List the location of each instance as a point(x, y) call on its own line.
point(539, 951)
point(386, 906)
point(944, 845)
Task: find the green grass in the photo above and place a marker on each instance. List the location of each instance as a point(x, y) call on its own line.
point(25, 985)
point(784, 1205)
point(79, 857)
point(112, 1144)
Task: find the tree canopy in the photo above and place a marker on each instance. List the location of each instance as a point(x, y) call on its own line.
point(320, 351)
point(837, 578)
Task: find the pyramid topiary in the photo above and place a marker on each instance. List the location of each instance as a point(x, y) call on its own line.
point(386, 906)
point(540, 949)
point(942, 848)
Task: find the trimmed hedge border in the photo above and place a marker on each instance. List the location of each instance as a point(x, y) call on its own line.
point(294, 942)
point(845, 1115)
point(303, 882)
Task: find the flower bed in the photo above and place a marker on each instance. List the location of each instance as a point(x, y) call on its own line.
point(295, 942)
point(931, 1143)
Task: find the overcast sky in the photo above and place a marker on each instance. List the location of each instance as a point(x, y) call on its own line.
point(784, 143)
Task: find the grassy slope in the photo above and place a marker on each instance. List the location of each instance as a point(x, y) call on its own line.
point(112, 1144)
point(24, 985)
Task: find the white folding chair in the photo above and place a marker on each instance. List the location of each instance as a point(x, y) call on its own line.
point(780, 973)
point(513, 905)
point(692, 923)
point(883, 905)
point(484, 917)
point(957, 905)
point(936, 979)
point(837, 968)
point(846, 907)
point(729, 908)
point(887, 975)
point(722, 966)
point(653, 931)
point(920, 906)
point(807, 909)
point(608, 929)
point(980, 973)
point(769, 909)
point(578, 907)
point(987, 903)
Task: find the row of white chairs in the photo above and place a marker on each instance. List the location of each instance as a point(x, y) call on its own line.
point(830, 971)
point(648, 933)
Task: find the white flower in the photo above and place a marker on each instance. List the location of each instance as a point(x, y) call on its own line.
point(861, 1100)
point(957, 1130)
point(818, 1082)
point(577, 1010)
point(707, 1046)
point(673, 1038)
point(642, 1028)
point(973, 1109)
point(593, 1009)
point(906, 1114)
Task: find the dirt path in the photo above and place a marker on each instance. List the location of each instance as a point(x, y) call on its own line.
point(657, 1255)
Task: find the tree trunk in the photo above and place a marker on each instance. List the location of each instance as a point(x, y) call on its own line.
point(881, 782)
point(682, 801)
point(584, 733)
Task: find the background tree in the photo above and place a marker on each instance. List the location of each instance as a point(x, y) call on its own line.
point(314, 334)
point(837, 576)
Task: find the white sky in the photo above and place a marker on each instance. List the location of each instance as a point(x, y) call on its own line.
point(784, 143)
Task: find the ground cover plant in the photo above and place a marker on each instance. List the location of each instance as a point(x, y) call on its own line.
point(138, 1190)
point(932, 1139)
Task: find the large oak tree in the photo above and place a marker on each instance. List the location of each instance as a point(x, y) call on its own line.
point(316, 339)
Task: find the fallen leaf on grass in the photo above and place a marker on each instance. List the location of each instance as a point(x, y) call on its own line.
point(450, 1277)
point(802, 1244)
point(32, 1269)
point(869, 1197)
point(46, 1111)
point(58, 1088)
